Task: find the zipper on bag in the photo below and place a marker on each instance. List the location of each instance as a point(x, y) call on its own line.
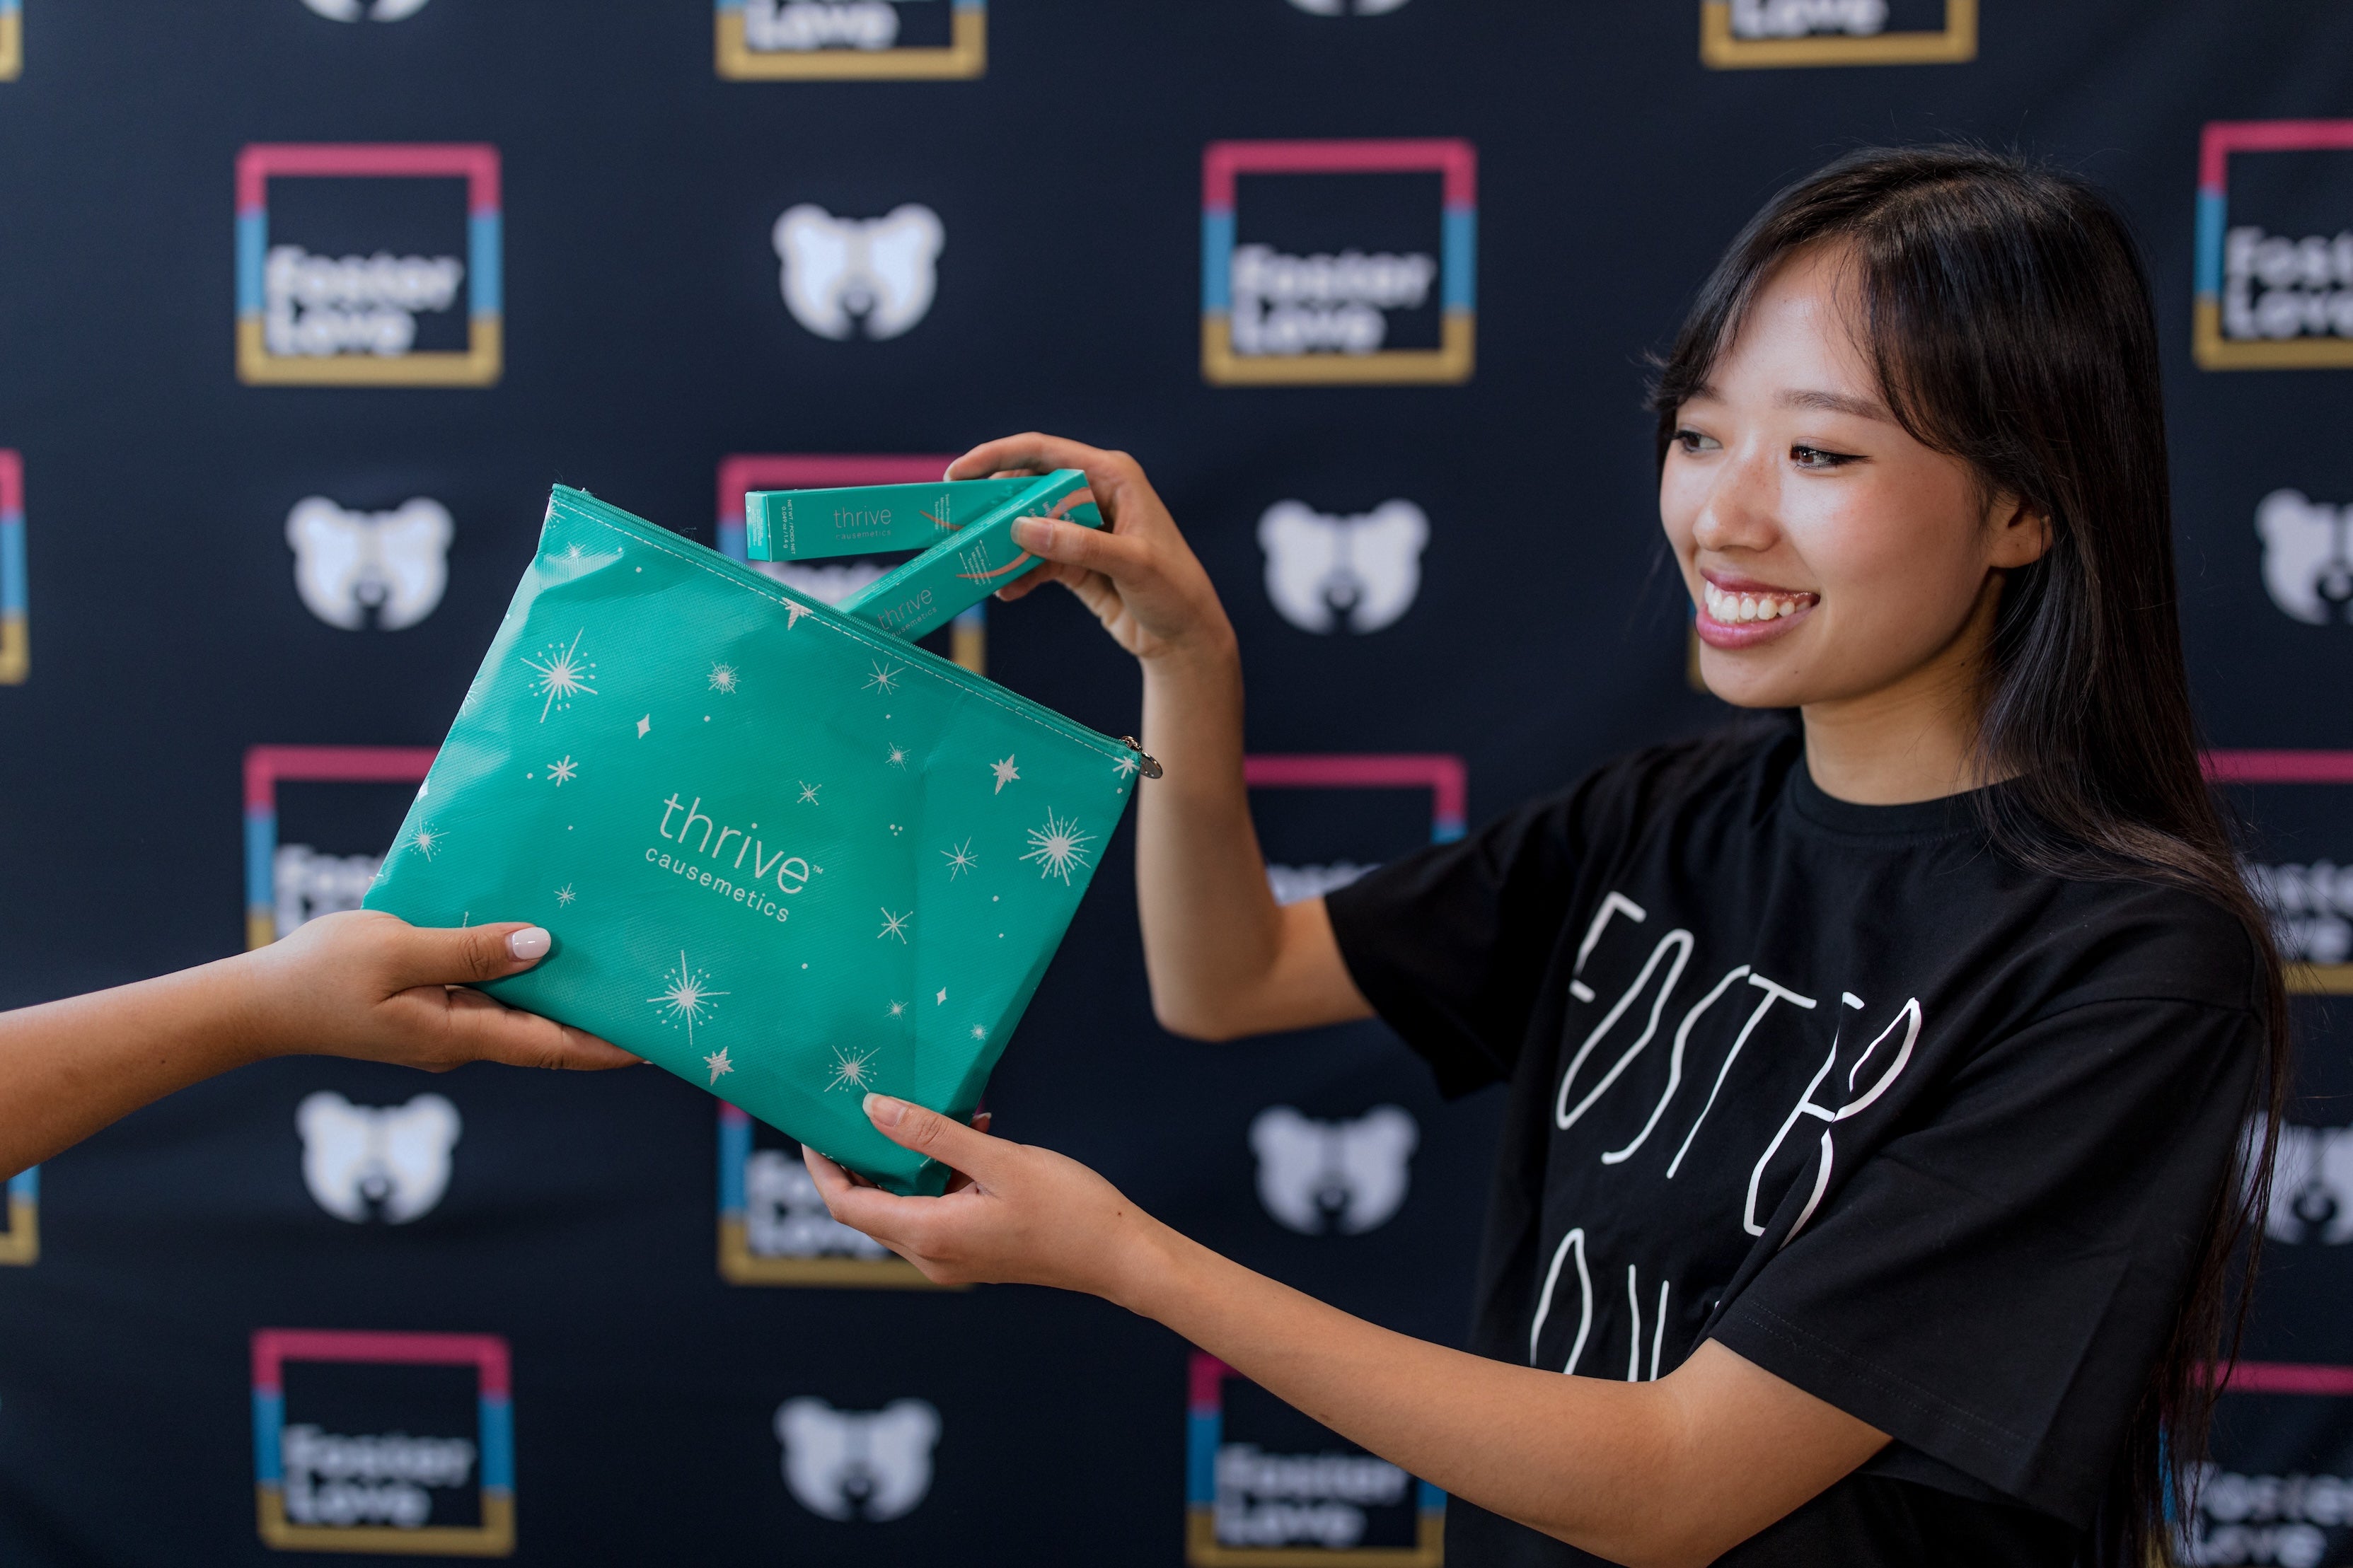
point(871, 637)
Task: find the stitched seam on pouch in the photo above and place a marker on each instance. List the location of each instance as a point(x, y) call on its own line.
point(776, 599)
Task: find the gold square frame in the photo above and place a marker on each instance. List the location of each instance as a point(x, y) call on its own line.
point(965, 56)
point(1957, 44)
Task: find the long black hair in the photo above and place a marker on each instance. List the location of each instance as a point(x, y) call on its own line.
point(2006, 312)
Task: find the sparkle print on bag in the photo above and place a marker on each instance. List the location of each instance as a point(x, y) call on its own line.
point(563, 770)
point(718, 1062)
point(1059, 848)
point(894, 925)
point(1005, 773)
point(722, 678)
point(960, 859)
point(686, 998)
point(427, 840)
point(564, 675)
point(885, 678)
point(852, 1070)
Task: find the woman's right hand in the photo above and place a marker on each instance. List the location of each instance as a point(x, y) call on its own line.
point(1136, 572)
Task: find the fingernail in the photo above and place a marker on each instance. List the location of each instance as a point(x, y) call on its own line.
point(1032, 532)
point(883, 1111)
point(531, 941)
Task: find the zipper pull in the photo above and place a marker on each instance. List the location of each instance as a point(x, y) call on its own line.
point(1146, 765)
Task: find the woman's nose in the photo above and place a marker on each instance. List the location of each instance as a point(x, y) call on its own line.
point(1739, 512)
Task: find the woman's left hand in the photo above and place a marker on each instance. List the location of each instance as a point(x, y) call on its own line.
point(1015, 1214)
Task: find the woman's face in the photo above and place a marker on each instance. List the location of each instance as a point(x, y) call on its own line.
point(1830, 555)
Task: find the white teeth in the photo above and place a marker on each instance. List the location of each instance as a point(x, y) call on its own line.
point(1732, 609)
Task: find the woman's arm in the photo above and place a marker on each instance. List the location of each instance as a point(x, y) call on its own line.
point(1224, 959)
point(1673, 1472)
point(361, 984)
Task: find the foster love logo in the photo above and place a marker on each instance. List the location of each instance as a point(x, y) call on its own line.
point(2274, 270)
point(872, 41)
point(417, 302)
point(1366, 278)
point(1734, 34)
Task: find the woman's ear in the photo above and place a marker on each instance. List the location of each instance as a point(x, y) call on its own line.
point(2021, 533)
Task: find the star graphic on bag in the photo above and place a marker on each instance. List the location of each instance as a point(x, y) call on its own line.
point(897, 755)
point(894, 925)
point(960, 859)
point(1124, 766)
point(1059, 848)
point(978, 1033)
point(718, 1062)
point(1005, 773)
point(809, 793)
point(564, 771)
point(565, 895)
point(645, 724)
point(723, 677)
point(794, 611)
point(563, 675)
point(898, 1009)
point(885, 678)
point(851, 1071)
point(427, 841)
point(942, 998)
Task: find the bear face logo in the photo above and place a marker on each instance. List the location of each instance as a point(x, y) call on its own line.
point(349, 563)
point(391, 1159)
point(872, 1465)
point(2312, 1187)
point(785, 1216)
point(840, 274)
point(2305, 569)
point(1322, 570)
point(1319, 1176)
point(372, 10)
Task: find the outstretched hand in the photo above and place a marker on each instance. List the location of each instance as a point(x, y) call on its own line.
point(1015, 1213)
point(1136, 572)
point(367, 985)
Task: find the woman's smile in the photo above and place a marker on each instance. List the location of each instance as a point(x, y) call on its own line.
point(1737, 611)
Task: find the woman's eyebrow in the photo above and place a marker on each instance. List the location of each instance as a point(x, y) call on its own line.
point(1837, 402)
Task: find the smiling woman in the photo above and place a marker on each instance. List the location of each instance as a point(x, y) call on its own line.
point(1877, 1071)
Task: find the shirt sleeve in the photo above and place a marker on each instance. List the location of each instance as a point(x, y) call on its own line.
point(1450, 944)
point(1992, 1285)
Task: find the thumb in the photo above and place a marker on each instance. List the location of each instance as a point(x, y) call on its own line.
point(438, 955)
point(929, 1133)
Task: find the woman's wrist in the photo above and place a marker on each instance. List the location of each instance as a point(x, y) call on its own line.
point(1148, 1260)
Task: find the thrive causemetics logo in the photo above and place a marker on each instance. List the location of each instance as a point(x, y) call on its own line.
point(2272, 299)
point(314, 319)
point(324, 1491)
point(830, 582)
point(1270, 317)
point(1735, 34)
point(283, 887)
point(15, 624)
point(1253, 1499)
point(787, 40)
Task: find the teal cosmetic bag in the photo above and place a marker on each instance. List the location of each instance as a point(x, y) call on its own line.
point(785, 855)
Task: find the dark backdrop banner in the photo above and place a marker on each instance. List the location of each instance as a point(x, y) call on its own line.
point(307, 303)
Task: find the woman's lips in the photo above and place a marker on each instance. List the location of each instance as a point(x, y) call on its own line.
point(1744, 613)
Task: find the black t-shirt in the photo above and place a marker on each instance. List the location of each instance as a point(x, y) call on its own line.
point(1926, 1134)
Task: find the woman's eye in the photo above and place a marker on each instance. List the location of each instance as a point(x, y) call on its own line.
point(1817, 457)
point(1692, 441)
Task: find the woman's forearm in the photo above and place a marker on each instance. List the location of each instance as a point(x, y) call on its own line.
point(68, 1069)
point(1212, 931)
point(1669, 1472)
